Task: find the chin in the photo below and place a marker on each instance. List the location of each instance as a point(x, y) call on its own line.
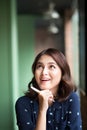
point(44, 87)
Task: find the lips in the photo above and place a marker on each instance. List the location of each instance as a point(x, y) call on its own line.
point(44, 79)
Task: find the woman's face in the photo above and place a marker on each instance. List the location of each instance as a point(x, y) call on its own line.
point(48, 73)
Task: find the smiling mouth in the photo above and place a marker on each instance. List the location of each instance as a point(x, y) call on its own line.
point(45, 80)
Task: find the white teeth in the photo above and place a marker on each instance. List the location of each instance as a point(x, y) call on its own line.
point(44, 79)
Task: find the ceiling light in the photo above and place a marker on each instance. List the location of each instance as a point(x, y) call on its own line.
point(51, 13)
point(53, 28)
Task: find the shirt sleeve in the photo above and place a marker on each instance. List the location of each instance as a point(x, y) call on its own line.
point(24, 114)
point(74, 121)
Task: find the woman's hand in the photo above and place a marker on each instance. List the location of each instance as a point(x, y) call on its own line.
point(45, 99)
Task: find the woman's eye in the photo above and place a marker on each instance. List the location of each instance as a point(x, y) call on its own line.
point(52, 67)
point(39, 66)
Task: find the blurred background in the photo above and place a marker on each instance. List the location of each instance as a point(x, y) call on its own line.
point(26, 28)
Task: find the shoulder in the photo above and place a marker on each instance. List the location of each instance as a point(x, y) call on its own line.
point(74, 96)
point(73, 100)
point(22, 101)
point(25, 103)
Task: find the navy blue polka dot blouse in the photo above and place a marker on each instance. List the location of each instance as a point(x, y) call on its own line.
point(64, 115)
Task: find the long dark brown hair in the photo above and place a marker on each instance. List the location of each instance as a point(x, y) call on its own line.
point(66, 85)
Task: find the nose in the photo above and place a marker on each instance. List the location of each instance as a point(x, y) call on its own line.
point(45, 71)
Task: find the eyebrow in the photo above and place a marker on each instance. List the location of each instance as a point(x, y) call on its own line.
point(48, 63)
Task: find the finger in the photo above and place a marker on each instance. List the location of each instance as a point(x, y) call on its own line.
point(36, 90)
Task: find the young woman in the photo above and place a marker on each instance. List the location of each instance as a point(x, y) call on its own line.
point(55, 106)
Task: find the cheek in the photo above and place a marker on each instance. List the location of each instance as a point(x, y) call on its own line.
point(37, 74)
point(58, 74)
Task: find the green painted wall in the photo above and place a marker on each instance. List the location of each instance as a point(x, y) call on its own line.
point(6, 119)
point(16, 57)
point(26, 50)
